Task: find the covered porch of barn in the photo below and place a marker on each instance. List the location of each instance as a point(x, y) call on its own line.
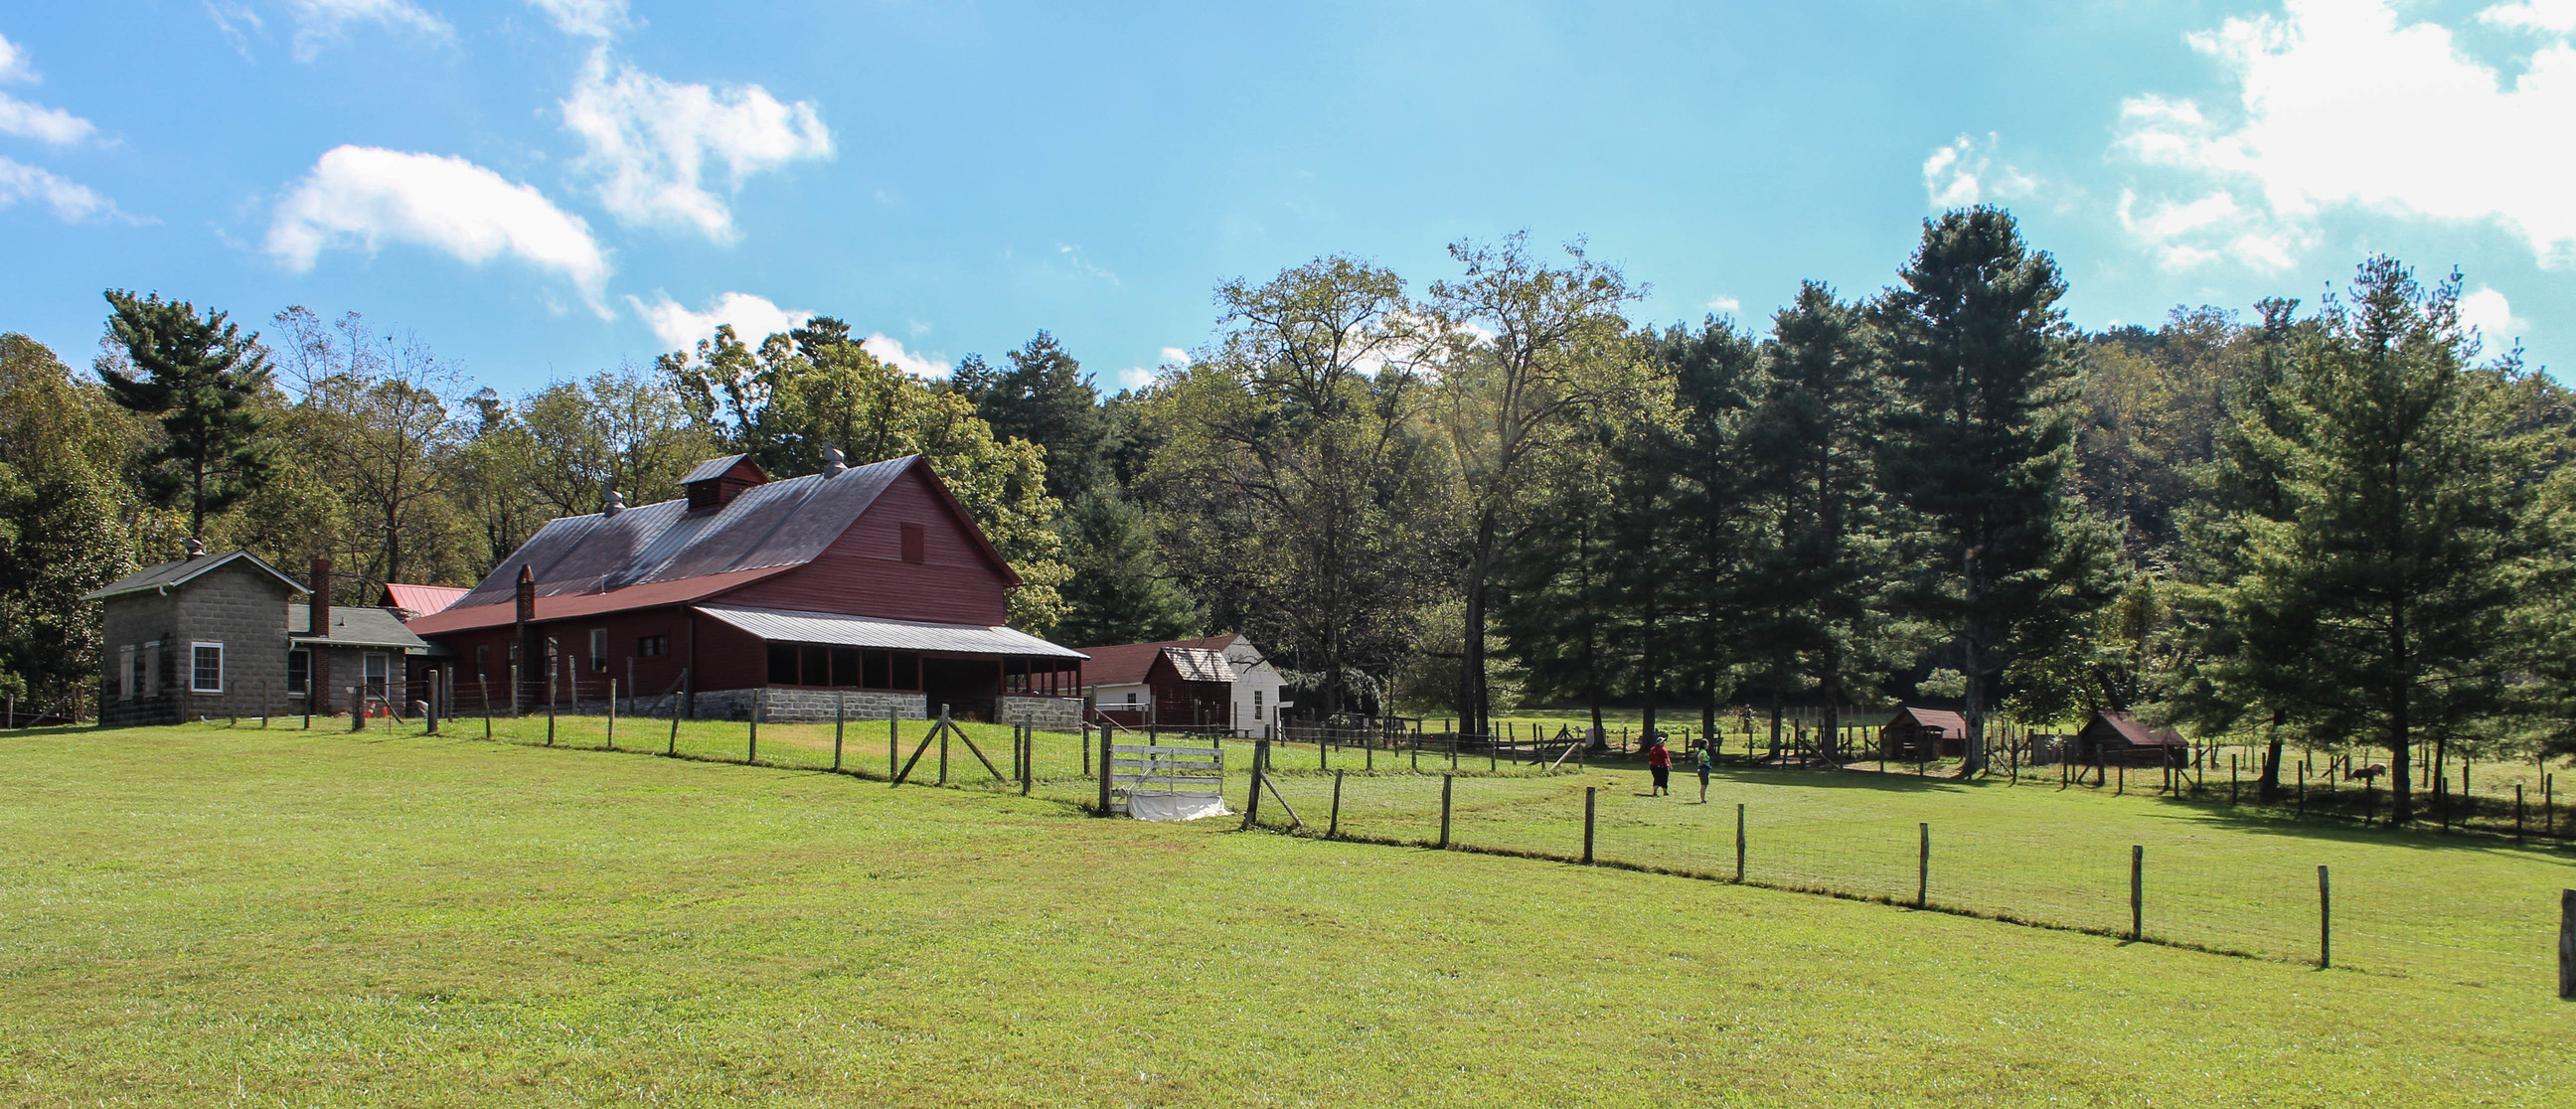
point(815, 664)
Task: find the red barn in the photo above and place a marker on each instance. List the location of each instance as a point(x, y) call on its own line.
point(1182, 684)
point(864, 586)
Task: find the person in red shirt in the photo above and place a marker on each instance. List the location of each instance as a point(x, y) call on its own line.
point(1659, 761)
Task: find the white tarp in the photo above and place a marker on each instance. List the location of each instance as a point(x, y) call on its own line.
point(1175, 806)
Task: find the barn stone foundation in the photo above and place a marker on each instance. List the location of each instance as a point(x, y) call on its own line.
point(789, 706)
point(1053, 714)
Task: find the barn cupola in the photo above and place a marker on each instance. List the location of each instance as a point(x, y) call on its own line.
point(717, 481)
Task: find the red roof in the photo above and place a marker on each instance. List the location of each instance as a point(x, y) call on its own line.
point(421, 600)
point(2138, 734)
point(1951, 725)
point(1128, 663)
point(564, 606)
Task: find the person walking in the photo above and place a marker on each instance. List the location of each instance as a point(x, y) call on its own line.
point(1659, 762)
point(1701, 748)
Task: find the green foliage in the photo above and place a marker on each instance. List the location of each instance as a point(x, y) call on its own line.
point(68, 525)
point(1042, 398)
point(204, 379)
point(1118, 588)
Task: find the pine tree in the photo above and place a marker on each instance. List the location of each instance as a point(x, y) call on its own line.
point(204, 379)
point(2377, 601)
point(1983, 363)
point(1042, 398)
point(1121, 589)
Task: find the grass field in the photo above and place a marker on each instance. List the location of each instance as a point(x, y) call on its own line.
point(206, 915)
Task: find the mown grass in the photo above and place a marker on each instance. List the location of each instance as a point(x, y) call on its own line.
point(205, 915)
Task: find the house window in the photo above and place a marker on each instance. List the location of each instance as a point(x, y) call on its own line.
point(127, 677)
point(1256, 704)
point(151, 660)
point(598, 650)
point(482, 659)
point(916, 544)
point(376, 670)
point(299, 673)
point(206, 668)
point(1131, 697)
point(652, 646)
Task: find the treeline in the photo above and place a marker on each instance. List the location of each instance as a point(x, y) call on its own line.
point(2339, 528)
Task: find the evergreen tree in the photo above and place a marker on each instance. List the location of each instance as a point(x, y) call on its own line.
point(1978, 447)
point(1042, 398)
point(2376, 604)
point(1121, 588)
point(204, 379)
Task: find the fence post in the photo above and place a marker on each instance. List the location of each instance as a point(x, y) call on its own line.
point(2137, 891)
point(1739, 841)
point(1104, 765)
point(2325, 920)
point(1252, 808)
point(1446, 781)
point(1334, 828)
point(840, 722)
point(1923, 868)
point(759, 702)
point(1589, 793)
point(674, 749)
point(612, 714)
point(943, 744)
point(2517, 812)
point(2567, 943)
point(894, 740)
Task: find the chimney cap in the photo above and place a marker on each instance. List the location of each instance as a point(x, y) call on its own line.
point(834, 462)
point(612, 504)
point(196, 548)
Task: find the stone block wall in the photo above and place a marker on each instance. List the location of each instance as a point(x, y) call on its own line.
point(788, 706)
point(1054, 714)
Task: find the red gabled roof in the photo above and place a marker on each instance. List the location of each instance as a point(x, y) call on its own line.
point(2139, 734)
point(1128, 663)
point(421, 600)
point(1950, 724)
point(567, 606)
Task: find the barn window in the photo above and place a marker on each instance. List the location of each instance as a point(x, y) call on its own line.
point(907, 672)
point(652, 646)
point(482, 659)
point(916, 544)
point(1256, 704)
point(845, 666)
point(299, 673)
point(1131, 697)
point(817, 660)
point(879, 670)
point(206, 668)
point(598, 650)
point(782, 664)
point(127, 677)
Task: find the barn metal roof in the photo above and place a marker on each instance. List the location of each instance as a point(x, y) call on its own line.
point(2138, 734)
point(421, 600)
point(791, 626)
point(712, 468)
point(1950, 725)
point(182, 572)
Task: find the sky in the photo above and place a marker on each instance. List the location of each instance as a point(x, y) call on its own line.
point(545, 189)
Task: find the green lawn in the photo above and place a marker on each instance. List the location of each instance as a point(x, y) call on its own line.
point(206, 915)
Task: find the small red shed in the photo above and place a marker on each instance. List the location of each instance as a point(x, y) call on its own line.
point(1919, 735)
point(1167, 685)
point(2114, 739)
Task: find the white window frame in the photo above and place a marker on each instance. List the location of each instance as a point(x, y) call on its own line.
point(195, 646)
point(370, 685)
point(1131, 698)
point(598, 650)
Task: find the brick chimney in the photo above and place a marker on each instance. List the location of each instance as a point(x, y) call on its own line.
point(317, 611)
point(527, 611)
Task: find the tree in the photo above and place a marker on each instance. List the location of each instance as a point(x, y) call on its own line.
point(372, 426)
point(2378, 602)
point(203, 378)
point(1526, 349)
point(1982, 362)
point(67, 524)
point(1042, 398)
point(1121, 588)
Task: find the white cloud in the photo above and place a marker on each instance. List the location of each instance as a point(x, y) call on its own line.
point(1082, 265)
point(230, 19)
point(1963, 174)
point(2341, 106)
point(320, 23)
point(890, 351)
point(1135, 377)
point(364, 196)
point(2498, 328)
point(589, 18)
point(70, 201)
point(1725, 305)
point(754, 318)
point(1175, 356)
point(2533, 15)
point(31, 121)
point(653, 143)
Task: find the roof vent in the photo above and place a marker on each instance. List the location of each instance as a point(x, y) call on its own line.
point(612, 504)
point(834, 462)
point(196, 549)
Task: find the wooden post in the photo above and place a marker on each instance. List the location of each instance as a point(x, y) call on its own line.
point(675, 712)
point(630, 682)
point(1028, 754)
point(894, 739)
point(2325, 920)
point(1739, 841)
point(2137, 891)
point(612, 714)
point(1252, 807)
point(942, 728)
point(2303, 789)
point(759, 702)
point(2517, 812)
point(514, 691)
point(840, 722)
point(1923, 868)
point(2231, 777)
point(1104, 764)
point(1589, 798)
point(1446, 781)
point(482, 690)
point(1334, 827)
point(2567, 943)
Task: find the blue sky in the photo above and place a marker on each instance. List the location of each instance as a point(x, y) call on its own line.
point(545, 188)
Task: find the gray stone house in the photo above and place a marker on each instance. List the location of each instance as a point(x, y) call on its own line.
point(226, 635)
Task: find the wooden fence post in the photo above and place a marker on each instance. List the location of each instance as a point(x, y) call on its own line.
point(1739, 841)
point(894, 738)
point(1028, 755)
point(1588, 800)
point(759, 702)
point(482, 692)
point(1446, 781)
point(2567, 943)
point(1334, 828)
point(2137, 891)
point(1252, 807)
point(2325, 920)
point(612, 714)
point(1104, 766)
point(1923, 868)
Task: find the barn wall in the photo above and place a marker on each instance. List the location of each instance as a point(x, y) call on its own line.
point(863, 572)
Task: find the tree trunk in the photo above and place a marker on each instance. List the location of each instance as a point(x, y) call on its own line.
point(1471, 667)
point(1972, 751)
point(2268, 787)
